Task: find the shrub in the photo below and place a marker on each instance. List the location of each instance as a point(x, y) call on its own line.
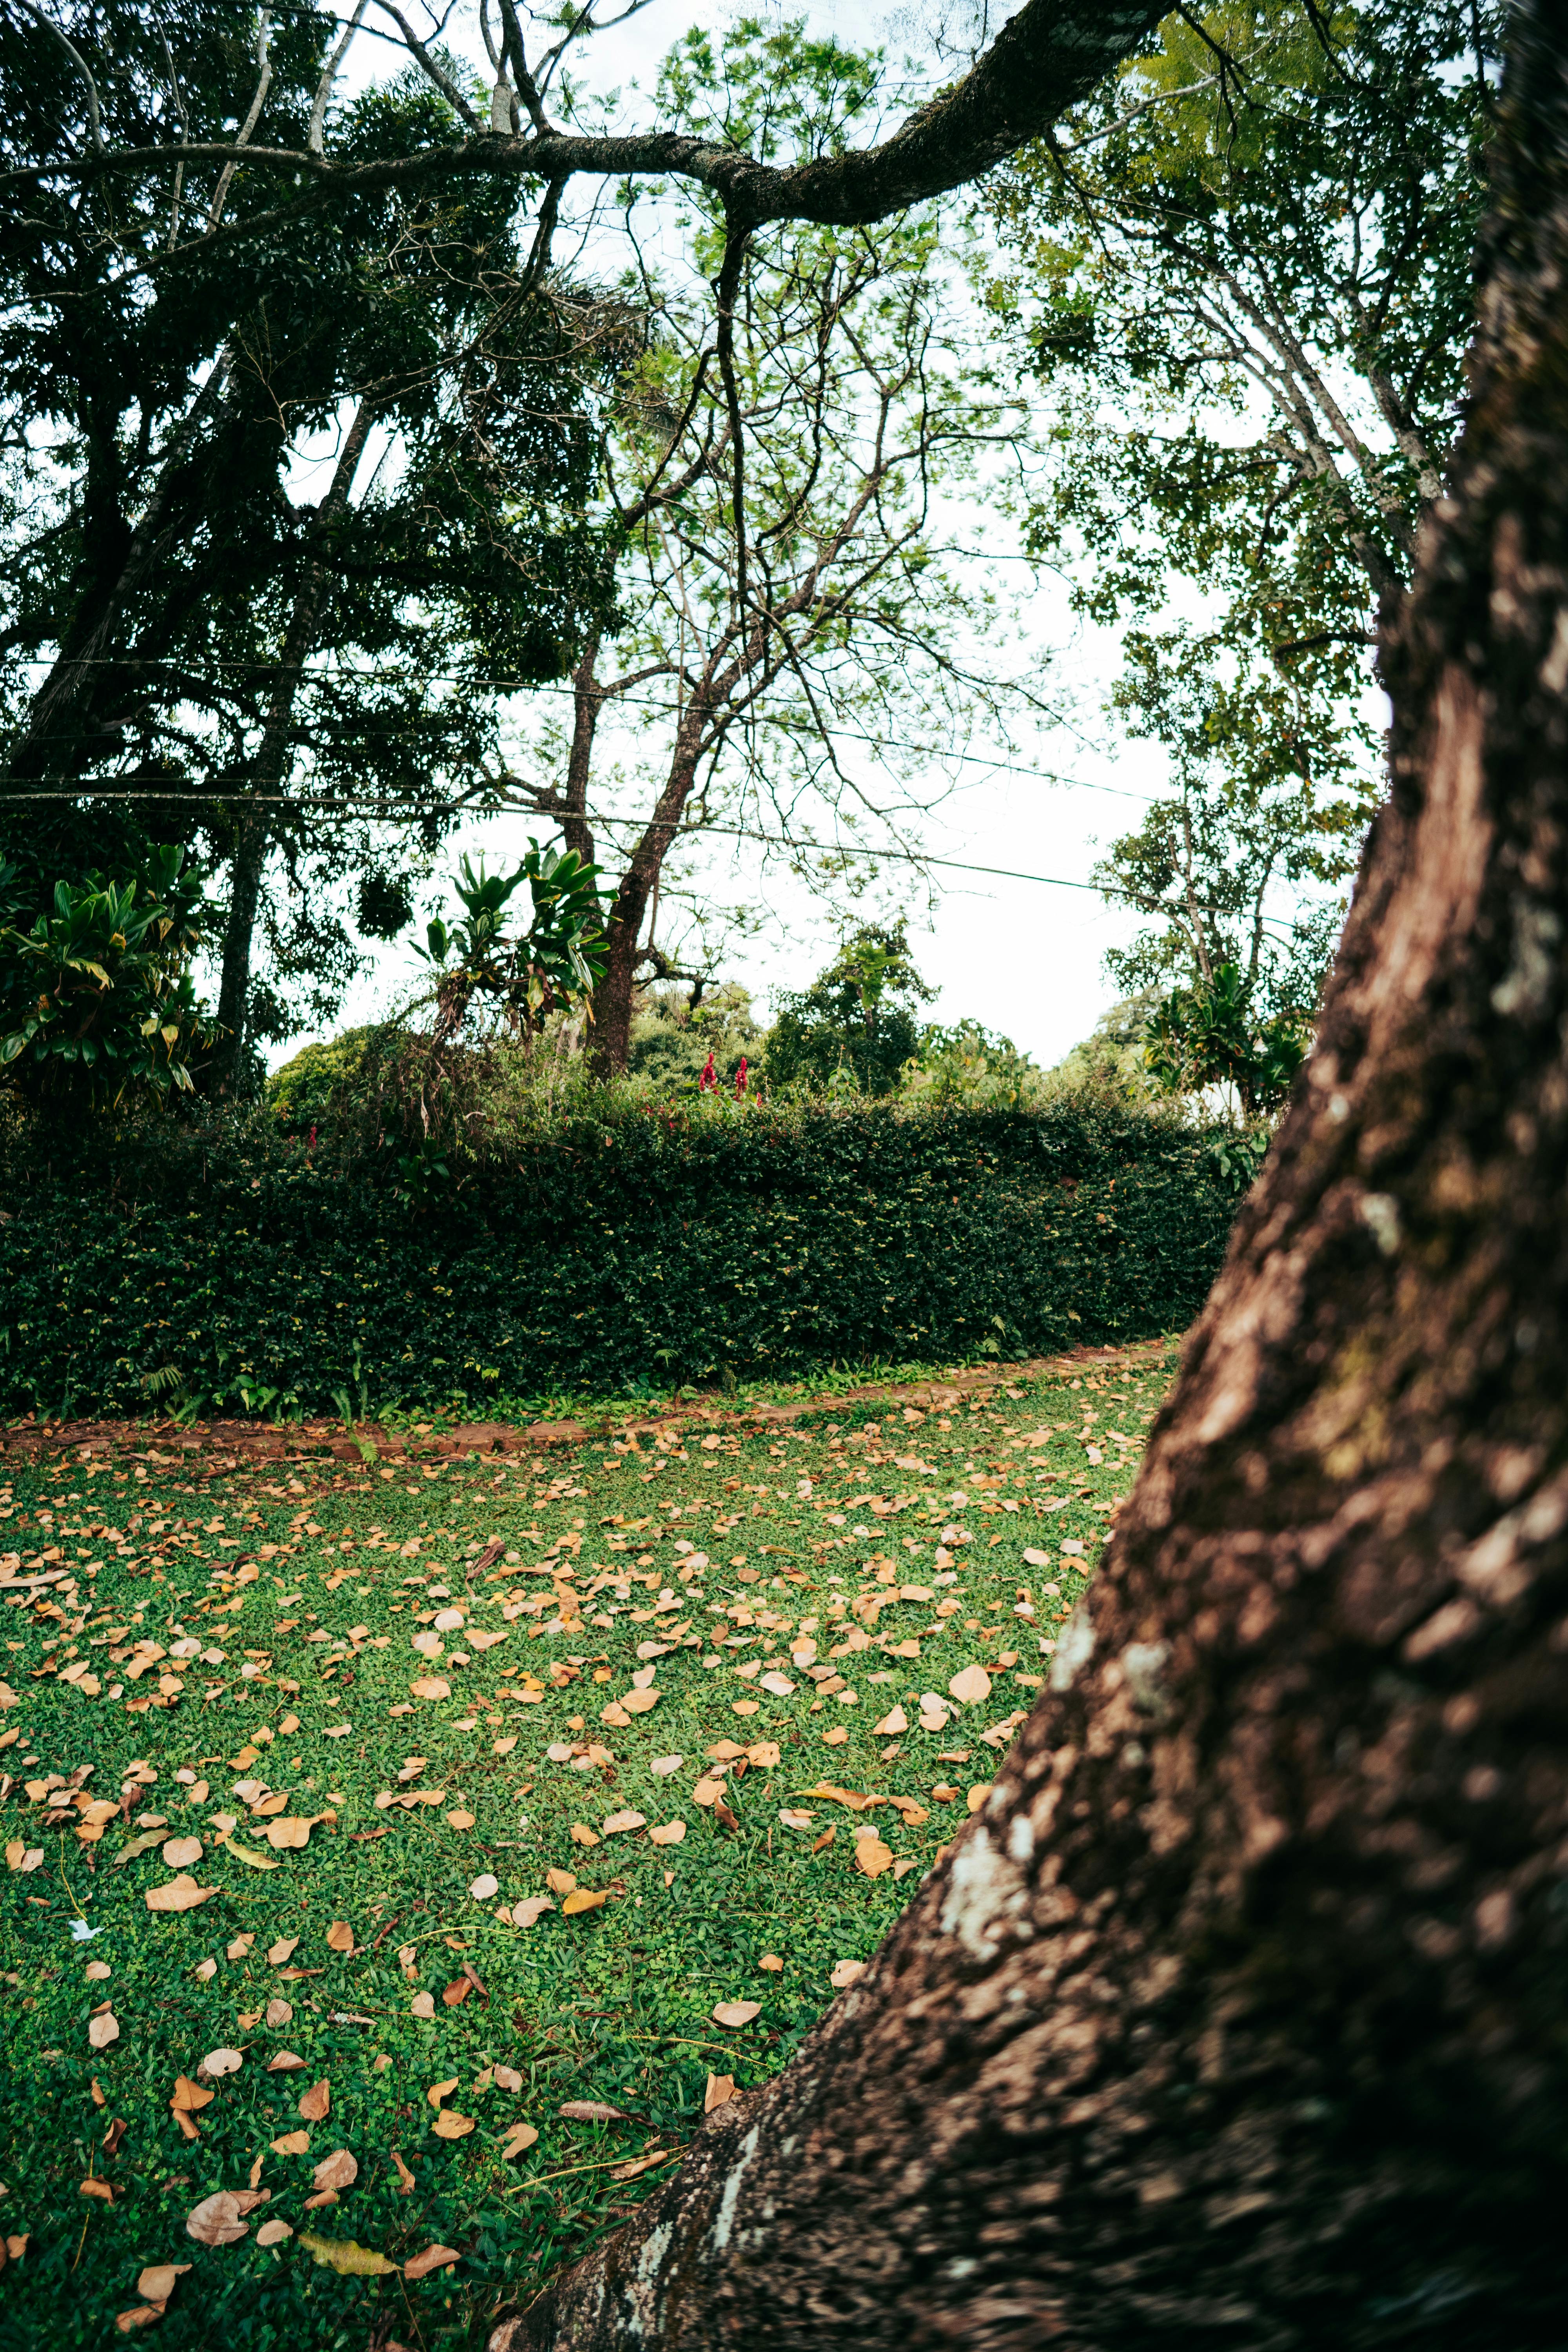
point(639, 1246)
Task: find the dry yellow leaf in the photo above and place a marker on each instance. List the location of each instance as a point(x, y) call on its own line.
point(846, 1972)
point(291, 1834)
point(102, 2030)
point(503, 1747)
point(188, 2096)
point(559, 1881)
point(100, 2189)
point(671, 1833)
point(583, 1835)
point(971, 1686)
point(349, 2259)
point(580, 1901)
point(283, 1949)
point(439, 2091)
point(316, 2104)
point(179, 1853)
point(294, 2143)
point(520, 2137)
point(181, 1894)
point(720, 2092)
point(340, 1937)
point(458, 1819)
point(871, 1856)
point(433, 2258)
point(771, 1962)
point(977, 1795)
point(763, 1754)
point(450, 2125)
point(736, 2012)
point(707, 1792)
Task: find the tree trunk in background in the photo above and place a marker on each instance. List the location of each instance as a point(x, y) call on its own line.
point(1235, 2016)
point(256, 822)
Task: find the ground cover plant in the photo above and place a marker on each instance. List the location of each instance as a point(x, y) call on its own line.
point(411, 1852)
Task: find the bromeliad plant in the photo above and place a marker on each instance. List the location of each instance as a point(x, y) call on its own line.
point(96, 999)
point(526, 974)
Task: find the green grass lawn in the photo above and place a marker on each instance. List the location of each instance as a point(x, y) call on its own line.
point(709, 1630)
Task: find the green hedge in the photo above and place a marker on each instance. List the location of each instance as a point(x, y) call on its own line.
point(662, 1248)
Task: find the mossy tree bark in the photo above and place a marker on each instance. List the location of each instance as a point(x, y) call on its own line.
point(1236, 2015)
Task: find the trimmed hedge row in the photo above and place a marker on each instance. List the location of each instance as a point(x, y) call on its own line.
point(642, 1254)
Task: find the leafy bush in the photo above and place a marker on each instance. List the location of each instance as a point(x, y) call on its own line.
point(223, 1266)
point(854, 1029)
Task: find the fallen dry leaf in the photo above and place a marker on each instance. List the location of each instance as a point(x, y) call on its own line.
point(248, 1855)
point(895, 1720)
point(871, 1856)
point(439, 2091)
point(559, 1881)
point(204, 1971)
point(347, 2258)
point(218, 2063)
point(616, 1823)
point(316, 2104)
point(593, 2111)
point(670, 1834)
point(736, 2012)
point(272, 2233)
point(340, 1937)
point(520, 2137)
point(290, 1834)
point(450, 2125)
point(180, 1894)
point(294, 2143)
point(280, 2012)
point(102, 2030)
point(188, 2097)
point(583, 1835)
point(431, 1686)
point(458, 1991)
point(179, 1853)
point(433, 2258)
point(580, 1901)
point(285, 2062)
point(771, 1962)
point(140, 2314)
point(114, 2135)
point(524, 1915)
point(283, 1949)
point(484, 1886)
point(820, 1845)
point(639, 1702)
point(971, 1686)
point(100, 2189)
point(507, 2078)
point(338, 2170)
point(720, 2092)
point(157, 2281)
point(219, 2219)
point(846, 1972)
point(458, 1819)
point(238, 1948)
point(423, 2005)
point(977, 1795)
point(99, 2096)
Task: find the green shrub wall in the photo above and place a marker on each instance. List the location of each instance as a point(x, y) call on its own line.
point(645, 1252)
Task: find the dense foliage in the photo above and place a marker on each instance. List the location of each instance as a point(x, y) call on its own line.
point(237, 1271)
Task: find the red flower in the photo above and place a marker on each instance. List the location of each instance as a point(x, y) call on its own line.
point(708, 1084)
point(741, 1080)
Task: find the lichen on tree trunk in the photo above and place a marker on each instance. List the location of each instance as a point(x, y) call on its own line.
point(1236, 2016)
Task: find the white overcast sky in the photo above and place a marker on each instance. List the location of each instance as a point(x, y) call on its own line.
point(1023, 955)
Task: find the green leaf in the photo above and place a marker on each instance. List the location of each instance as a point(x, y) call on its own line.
point(347, 2257)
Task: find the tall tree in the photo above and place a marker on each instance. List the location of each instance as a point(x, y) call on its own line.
point(1236, 2007)
point(775, 465)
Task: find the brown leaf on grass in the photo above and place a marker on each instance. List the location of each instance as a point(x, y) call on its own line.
point(188, 2096)
point(503, 1747)
point(347, 2258)
point(431, 1686)
point(406, 2180)
point(528, 1914)
point(640, 2164)
point(294, 2143)
point(722, 1813)
point(94, 2188)
point(720, 2092)
point(338, 2170)
point(316, 2104)
point(340, 1937)
point(114, 2135)
point(450, 2125)
point(736, 2012)
point(423, 2005)
point(763, 1755)
point(289, 1835)
point(892, 1723)
point(846, 1972)
point(824, 1841)
point(218, 2063)
point(459, 1820)
point(272, 2233)
point(220, 2220)
point(204, 1971)
point(583, 1835)
point(520, 2138)
point(283, 1949)
point(593, 2111)
point(157, 2281)
point(507, 2078)
point(971, 1686)
point(97, 1971)
point(771, 1962)
point(458, 1991)
point(285, 2062)
point(832, 1794)
point(439, 2091)
point(238, 1948)
point(616, 1824)
point(871, 1856)
point(668, 1833)
point(179, 1853)
point(707, 1792)
point(280, 2012)
point(977, 1795)
point(640, 1702)
point(140, 2314)
point(433, 2258)
point(559, 1881)
point(180, 1894)
point(101, 2030)
point(98, 2094)
point(581, 1900)
point(912, 1811)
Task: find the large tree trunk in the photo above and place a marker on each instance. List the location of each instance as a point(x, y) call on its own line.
point(1236, 2016)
